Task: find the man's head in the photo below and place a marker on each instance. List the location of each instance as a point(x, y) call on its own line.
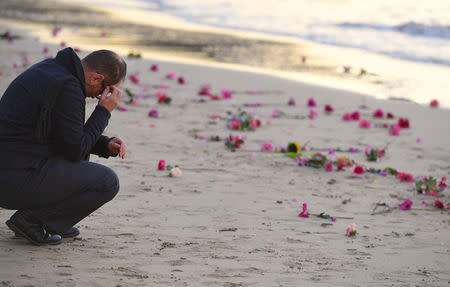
point(103, 68)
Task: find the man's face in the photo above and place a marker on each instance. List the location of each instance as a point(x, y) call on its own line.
point(95, 84)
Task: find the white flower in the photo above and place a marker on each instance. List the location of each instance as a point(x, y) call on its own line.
point(175, 172)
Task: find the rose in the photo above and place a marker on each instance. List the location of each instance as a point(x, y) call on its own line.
point(329, 167)
point(328, 108)
point(364, 124)
point(378, 113)
point(254, 123)
point(235, 124)
point(358, 169)
point(161, 164)
point(175, 172)
point(267, 147)
point(405, 177)
point(406, 205)
point(154, 68)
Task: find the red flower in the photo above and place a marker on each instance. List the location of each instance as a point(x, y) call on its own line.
point(328, 108)
point(434, 103)
point(215, 97)
point(390, 116)
point(405, 177)
point(235, 124)
point(364, 124)
point(439, 204)
point(180, 80)
point(403, 123)
point(312, 103)
point(161, 164)
point(204, 90)
point(154, 68)
point(355, 116)
point(443, 183)
point(358, 169)
point(304, 212)
point(378, 113)
point(236, 141)
point(254, 123)
point(329, 167)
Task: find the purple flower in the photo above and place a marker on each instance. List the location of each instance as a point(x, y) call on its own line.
point(353, 150)
point(384, 173)
point(153, 113)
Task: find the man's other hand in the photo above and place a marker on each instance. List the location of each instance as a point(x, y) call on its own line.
point(117, 146)
point(110, 102)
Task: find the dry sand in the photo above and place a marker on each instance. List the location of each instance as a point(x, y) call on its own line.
point(231, 220)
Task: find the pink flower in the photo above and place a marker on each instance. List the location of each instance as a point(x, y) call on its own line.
point(267, 147)
point(358, 169)
point(304, 212)
point(154, 68)
point(329, 167)
point(346, 117)
point(389, 116)
point(328, 108)
point(153, 113)
point(226, 94)
point(161, 164)
point(378, 113)
point(395, 130)
point(180, 80)
point(170, 75)
point(364, 124)
point(443, 183)
point(275, 113)
point(351, 230)
point(406, 205)
point(291, 101)
point(134, 102)
point(254, 123)
point(405, 177)
point(123, 108)
point(440, 204)
point(355, 116)
point(134, 79)
point(313, 113)
point(424, 202)
point(63, 44)
point(403, 123)
point(419, 140)
point(235, 124)
point(312, 103)
point(434, 103)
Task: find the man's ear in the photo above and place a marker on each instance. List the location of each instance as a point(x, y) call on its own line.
point(97, 78)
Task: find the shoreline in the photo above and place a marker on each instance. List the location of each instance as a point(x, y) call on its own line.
point(386, 78)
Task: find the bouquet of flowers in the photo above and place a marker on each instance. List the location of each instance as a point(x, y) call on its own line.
point(242, 121)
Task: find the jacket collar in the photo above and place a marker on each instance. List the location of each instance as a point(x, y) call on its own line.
point(70, 60)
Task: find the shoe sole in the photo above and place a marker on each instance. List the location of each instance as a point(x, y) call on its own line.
point(23, 234)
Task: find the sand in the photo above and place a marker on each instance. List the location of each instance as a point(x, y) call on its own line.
point(231, 218)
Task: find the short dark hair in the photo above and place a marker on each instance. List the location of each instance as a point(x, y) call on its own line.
point(107, 63)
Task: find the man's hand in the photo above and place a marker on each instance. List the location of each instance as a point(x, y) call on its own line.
point(110, 102)
point(117, 146)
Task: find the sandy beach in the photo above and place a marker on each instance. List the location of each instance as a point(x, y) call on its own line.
point(232, 219)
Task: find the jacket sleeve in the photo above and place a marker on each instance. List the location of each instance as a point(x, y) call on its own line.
point(101, 147)
point(74, 138)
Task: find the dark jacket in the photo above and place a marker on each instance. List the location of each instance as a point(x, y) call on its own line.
point(42, 114)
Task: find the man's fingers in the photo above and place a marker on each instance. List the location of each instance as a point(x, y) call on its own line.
point(105, 92)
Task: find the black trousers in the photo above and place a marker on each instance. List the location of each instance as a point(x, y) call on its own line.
point(59, 193)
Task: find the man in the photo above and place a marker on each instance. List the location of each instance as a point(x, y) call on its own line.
point(45, 143)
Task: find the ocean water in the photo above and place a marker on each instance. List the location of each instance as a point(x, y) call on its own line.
point(416, 30)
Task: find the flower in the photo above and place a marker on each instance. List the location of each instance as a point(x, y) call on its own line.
point(304, 212)
point(215, 97)
point(170, 75)
point(63, 44)
point(329, 167)
point(122, 108)
point(312, 103)
point(328, 108)
point(358, 169)
point(343, 161)
point(313, 113)
point(235, 124)
point(180, 80)
point(353, 149)
point(161, 164)
point(443, 183)
point(434, 103)
point(134, 79)
point(378, 113)
point(331, 151)
point(405, 177)
point(154, 68)
point(406, 205)
point(291, 101)
point(226, 94)
point(403, 123)
point(153, 113)
point(355, 116)
point(424, 202)
point(373, 154)
point(267, 147)
point(395, 130)
point(163, 98)
point(275, 113)
point(175, 172)
point(234, 142)
point(440, 204)
point(204, 90)
point(389, 116)
point(294, 147)
point(364, 124)
point(254, 123)
point(351, 230)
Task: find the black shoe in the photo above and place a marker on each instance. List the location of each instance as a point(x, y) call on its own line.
point(72, 232)
point(34, 232)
